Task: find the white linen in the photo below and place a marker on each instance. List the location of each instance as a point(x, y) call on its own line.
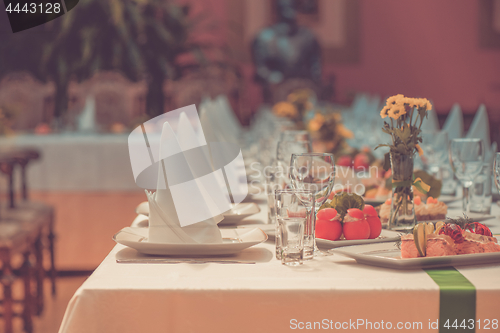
point(480, 127)
point(264, 297)
point(77, 162)
point(454, 123)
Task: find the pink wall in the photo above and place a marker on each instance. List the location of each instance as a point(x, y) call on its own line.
point(424, 48)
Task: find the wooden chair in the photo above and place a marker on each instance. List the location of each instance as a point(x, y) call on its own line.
point(24, 228)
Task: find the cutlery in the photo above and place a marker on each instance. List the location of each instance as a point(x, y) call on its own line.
point(179, 261)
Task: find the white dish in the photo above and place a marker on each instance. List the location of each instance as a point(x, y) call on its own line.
point(385, 236)
point(235, 214)
point(235, 240)
point(239, 212)
point(389, 256)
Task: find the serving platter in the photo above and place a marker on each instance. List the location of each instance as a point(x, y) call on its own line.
point(387, 255)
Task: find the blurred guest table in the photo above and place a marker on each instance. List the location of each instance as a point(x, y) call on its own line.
point(266, 296)
point(88, 179)
point(77, 162)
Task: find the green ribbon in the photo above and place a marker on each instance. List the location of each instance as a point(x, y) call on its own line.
point(457, 300)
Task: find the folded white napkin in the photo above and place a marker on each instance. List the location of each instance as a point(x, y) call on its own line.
point(165, 214)
point(480, 127)
point(454, 124)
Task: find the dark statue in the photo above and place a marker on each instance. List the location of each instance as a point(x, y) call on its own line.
point(286, 50)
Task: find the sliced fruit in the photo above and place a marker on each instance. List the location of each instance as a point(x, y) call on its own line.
point(356, 230)
point(327, 214)
point(439, 226)
point(331, 230)
point(429, 228)
point(420, 238)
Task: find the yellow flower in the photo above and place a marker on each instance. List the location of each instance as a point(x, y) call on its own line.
point(396, 111)
point(385, 111)
point(396, 99)
point(285, 109)
point(410, 101)
point(419, 149)
point(316, 123)
point(428, 106)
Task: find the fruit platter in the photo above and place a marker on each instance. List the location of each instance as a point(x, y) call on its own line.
point(346, 220)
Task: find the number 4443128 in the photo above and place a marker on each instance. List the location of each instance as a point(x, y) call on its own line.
point(33, 8)
point(485, 324)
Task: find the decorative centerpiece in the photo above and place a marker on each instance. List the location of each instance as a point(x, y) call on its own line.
point(406, 118)
point(324, 123)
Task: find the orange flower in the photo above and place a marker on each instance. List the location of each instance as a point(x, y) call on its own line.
point(385, 111)
point(419, 149)
point(285, 109)
point(396, 111)
point(316, 123)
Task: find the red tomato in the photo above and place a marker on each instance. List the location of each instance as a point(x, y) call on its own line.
point(370, 211)
point(326, 214)
point(356, 230)
point(356, 213)
point(330, 230)
point(375, 226)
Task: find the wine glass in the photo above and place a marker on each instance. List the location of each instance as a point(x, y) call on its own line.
point(496, 171)
point(284, 152)
point(313, 172)
point(466, 157)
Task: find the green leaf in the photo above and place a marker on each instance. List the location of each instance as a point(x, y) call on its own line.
point(343, 201)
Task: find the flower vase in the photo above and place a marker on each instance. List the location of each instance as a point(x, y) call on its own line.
point(402, 209)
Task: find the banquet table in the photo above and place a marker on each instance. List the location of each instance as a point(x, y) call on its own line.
point(330, 292)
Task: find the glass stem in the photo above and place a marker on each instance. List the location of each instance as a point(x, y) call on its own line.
point(466, 199)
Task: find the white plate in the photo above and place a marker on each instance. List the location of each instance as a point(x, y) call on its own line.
point(376, 201)
point(389, 256)
point(235, 214)
point(239, 212)
point(235, 240)
point(385, 236)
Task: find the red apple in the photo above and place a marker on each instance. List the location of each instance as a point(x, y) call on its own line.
point(361, 161)
point(344, 161)
point(331, 230)
point(358, 229)
point(369, 210)
point(326, 214)
point(356, 213)
point(375, 226)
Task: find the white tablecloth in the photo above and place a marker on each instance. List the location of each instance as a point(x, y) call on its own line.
point(69, 162)
point(264, 297)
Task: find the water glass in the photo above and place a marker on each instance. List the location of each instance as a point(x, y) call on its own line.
point(284, 152)
point(291, 231)
point(271, 185)
point(496, 171)
point(293, 206)
point(466, 157)
point(314, 172)
point(480, 201)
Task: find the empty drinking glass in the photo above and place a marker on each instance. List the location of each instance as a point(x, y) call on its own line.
point(314, 172)
point(293, 208)
point(466, 157)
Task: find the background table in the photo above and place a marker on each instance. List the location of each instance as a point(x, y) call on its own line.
point(264, 297)
point(88, 179)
